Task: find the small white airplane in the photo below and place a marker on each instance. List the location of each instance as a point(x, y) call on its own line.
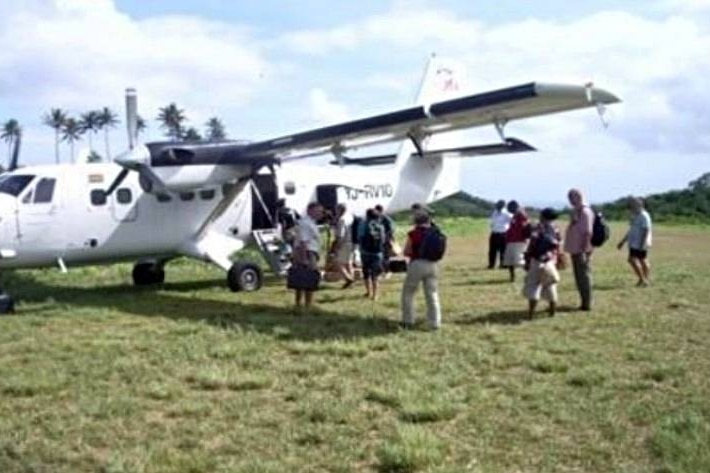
point(207, 201)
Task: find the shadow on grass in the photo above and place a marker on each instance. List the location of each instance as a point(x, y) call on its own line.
point(511, 317)
point(485, 282)
point(279, 321)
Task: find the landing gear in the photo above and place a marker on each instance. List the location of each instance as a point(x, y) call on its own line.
point(244, 276)
point(146, 274)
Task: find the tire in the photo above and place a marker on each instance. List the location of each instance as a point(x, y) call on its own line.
point(146, 274)
point(244, 276)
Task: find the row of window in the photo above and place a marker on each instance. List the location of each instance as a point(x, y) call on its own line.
point(125, 196)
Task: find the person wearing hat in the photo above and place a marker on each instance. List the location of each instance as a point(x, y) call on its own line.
point(541, 263)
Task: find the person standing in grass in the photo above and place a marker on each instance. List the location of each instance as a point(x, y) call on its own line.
point(516, 238)
point(499, 223)
point(420, 269)
point(639, 240)
point(307, 253)
point(541, 263)
point(342, 247)
point(578, 243)
point(372, 236)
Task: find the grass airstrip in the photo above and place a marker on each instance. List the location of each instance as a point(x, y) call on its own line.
point(96, 375)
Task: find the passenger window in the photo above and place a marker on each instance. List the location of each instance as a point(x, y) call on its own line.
point(163, 197)
point(44, 190)
point(207, 194)
point(289, 188)
point(187, 196)
point(124, 196)
point(98, 197)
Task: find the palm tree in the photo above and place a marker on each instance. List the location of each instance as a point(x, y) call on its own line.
point(215, 129)
point(191, 134)
point(171, 118)
point(90, 123)
point(11, 131)
point(141, 125)
point(55, 119)
point(71, 132)
point(107, 120)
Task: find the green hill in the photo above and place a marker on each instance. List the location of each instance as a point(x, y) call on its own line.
point(690, 205)
point(463, 204)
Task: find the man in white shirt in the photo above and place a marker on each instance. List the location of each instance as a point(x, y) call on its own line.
point(499, 223)
point(307, 248)
point(639, 239)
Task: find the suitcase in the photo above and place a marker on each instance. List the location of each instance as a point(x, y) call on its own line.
point(303, 278)
point(397, 265)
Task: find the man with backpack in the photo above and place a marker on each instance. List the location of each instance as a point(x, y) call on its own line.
point(425, 246)
point(372, 239)
point(578, 243)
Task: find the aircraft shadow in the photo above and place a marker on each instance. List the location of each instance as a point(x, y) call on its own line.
point(280, 322)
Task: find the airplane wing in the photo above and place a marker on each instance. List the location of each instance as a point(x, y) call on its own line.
point(495, 107)
point(510, 145)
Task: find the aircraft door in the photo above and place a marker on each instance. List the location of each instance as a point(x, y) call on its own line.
point(264, 198)
point(329, 195)
point(124, 206)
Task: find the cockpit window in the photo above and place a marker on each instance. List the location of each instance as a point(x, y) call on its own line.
point(14, 185)
point(44, 190)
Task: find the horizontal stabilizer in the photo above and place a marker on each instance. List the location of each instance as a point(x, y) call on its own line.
point(511, 145)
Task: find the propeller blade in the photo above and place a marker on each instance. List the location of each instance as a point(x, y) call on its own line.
point(132, 117)
point(14, 161)
point(116, 182)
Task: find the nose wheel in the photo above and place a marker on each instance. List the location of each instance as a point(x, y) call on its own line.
point(244, 276)
point(146, 274)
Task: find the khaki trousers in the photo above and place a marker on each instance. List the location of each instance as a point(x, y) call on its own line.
point(426, 272)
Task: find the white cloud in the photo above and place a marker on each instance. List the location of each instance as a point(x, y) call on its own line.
point(325, 110)
point(79, 54)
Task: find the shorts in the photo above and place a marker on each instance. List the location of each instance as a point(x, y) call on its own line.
point(541, 281)
point(372, 265)
point(638, 254)
point(514, 256)
point(344, 255)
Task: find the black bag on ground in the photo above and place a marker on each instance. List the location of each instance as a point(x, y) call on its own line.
point(7, 305)
point(303, 278)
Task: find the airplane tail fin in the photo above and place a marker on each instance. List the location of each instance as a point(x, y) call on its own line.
point(424, 179)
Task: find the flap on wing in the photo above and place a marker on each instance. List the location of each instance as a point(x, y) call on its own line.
point(510, 145)
point(502, 105)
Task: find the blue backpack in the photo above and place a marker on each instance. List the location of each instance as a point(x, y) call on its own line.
point(373, 239)
point(433, 246)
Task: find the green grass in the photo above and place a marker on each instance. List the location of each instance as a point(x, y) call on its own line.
point(96, 375)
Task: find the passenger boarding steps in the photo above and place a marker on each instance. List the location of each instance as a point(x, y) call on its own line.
point(275, 251)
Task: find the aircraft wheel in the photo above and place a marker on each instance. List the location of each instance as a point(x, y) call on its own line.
point(244, 276)
point(145, 274)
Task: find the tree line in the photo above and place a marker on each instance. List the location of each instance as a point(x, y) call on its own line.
point(70, 129)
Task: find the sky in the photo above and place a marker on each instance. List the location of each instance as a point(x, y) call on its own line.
point(271, 68)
